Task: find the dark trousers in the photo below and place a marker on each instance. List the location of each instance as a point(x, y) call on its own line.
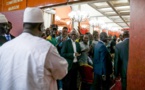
point(123, 82)
point(70, 80)
point(100, 84)
point(85, 86)
point(59, 84)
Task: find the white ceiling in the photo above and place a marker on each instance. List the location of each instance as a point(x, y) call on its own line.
point(115, 13)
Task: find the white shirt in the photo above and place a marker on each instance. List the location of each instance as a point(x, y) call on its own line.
point(74, 48)
point(30, 63)
point(84, 46)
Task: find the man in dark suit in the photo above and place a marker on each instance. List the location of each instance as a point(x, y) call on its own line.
point(5, 33)
point(2, 32)
point(102, 65)
point(63, 37)
point(2, 40)
point(121, 59)
point(8, 35)
point(71, 51)
point(3, 25)
point(60, 39)
point(112, 45)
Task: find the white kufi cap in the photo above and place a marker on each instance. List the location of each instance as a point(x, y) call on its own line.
point(33, 15)
point(3, 19)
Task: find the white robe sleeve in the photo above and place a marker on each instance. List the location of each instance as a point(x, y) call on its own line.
point(56, 64)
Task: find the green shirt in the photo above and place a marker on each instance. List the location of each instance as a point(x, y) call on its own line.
point(52, 40)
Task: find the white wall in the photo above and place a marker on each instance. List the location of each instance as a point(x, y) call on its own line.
point(47, 20)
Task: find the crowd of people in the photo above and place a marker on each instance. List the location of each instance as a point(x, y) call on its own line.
point(49, 59)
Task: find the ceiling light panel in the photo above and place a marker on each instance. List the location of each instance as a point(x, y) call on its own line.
point(105, 19)
point(114, 17)
point(91, 11)
point(110, 13)
point(118, 20)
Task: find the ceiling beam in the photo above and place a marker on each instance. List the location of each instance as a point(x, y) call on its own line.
point(120, 12)
point(117, 12)
point(124, 13)
point(117, 22)
point(117, 26)
point(121, 4)
point(97, 16)
point(94, 6)
point(126, 9)
point(101, 7)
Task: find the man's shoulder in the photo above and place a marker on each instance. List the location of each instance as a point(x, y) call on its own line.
point(41, 41)
point(12, 36)
point(68, 40)
point(120, 44)
point(100, 43)
point(33, 41)
point(40, 45)
point(2, 38)
point(100, 46)
point(58, 37)
point(28, 44)
point(81, 43)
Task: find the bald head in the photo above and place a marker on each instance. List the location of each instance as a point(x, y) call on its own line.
point(126, 34)
point(73, 31)
point(103, 36)
point(85, 38)
point(95, 35)
point(73, 35)
point(64, 31)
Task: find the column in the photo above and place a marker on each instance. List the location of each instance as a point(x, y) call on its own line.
point(136, 65)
